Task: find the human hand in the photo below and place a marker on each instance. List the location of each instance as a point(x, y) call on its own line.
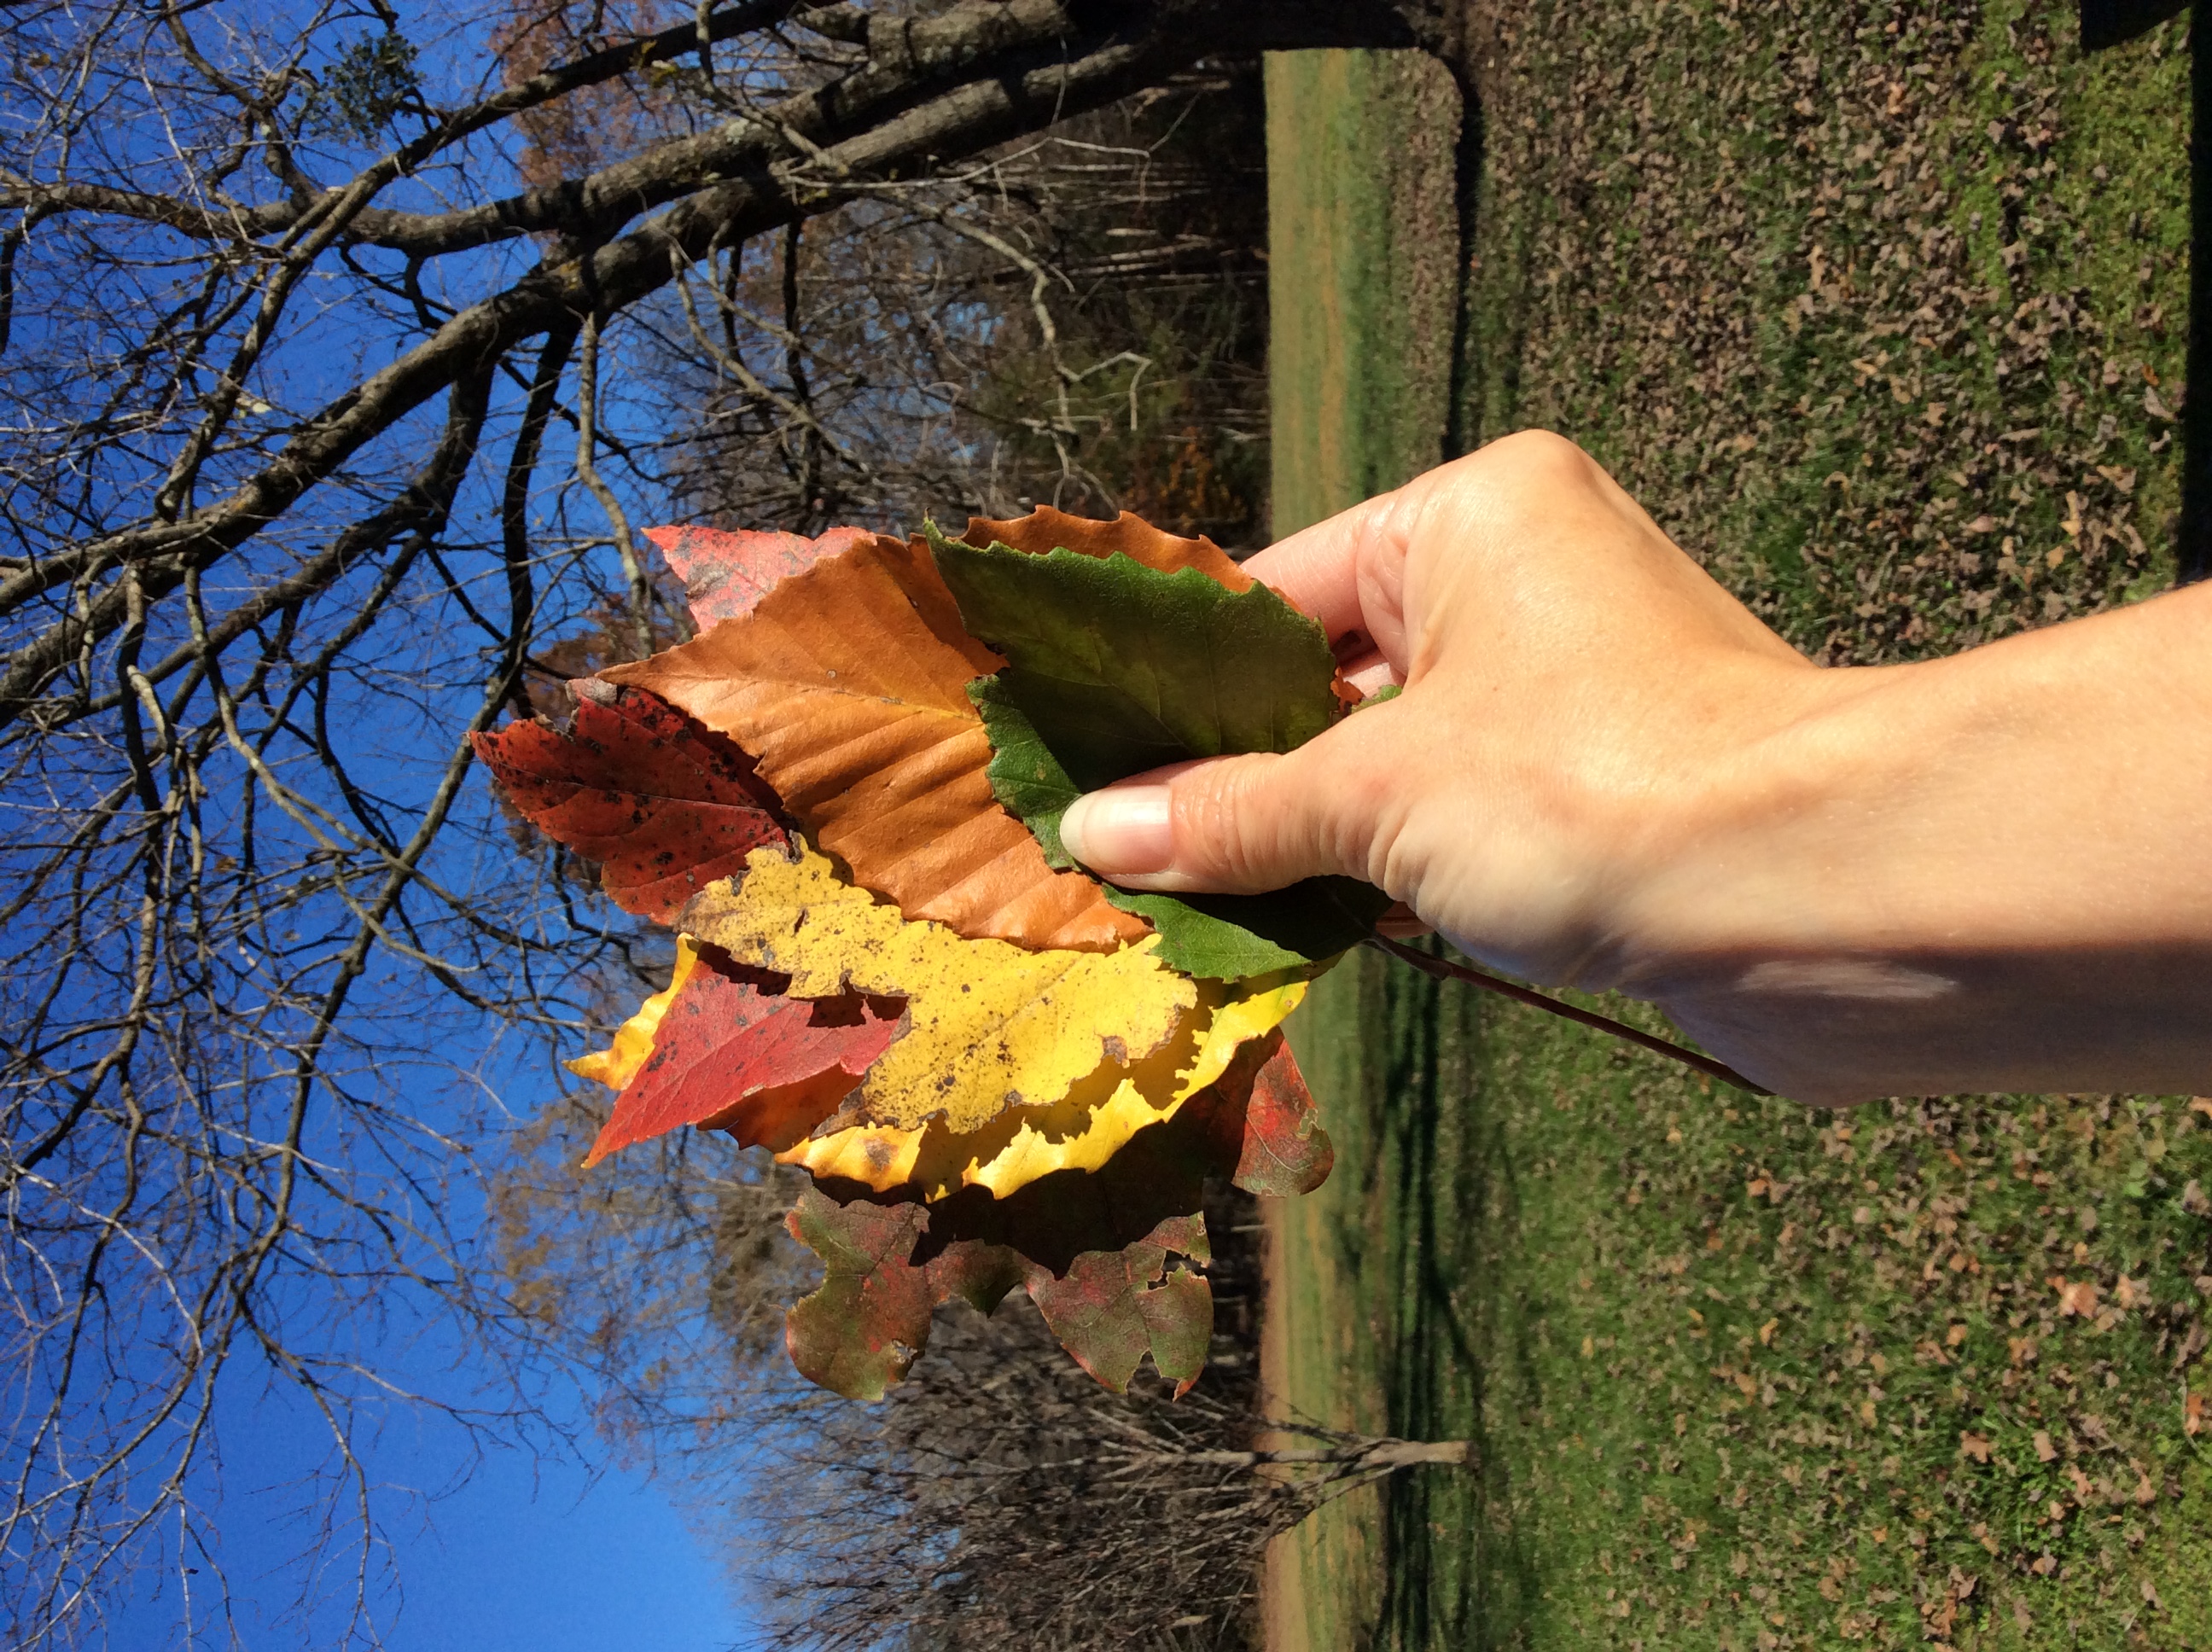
point(1570, 679)
point(1604, 771)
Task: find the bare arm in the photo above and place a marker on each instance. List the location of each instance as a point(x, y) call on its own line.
point(1989, 871)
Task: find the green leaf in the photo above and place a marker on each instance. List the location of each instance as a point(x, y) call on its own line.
point(1229, 937)
point(1114, 668)
point(1024, 775)
point(1123, 668)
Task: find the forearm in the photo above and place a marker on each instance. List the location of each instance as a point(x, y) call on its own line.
point(1990, 871)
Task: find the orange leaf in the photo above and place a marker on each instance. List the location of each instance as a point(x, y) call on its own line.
point(848, 685)
point(1045, 529)
point(2192, 1414)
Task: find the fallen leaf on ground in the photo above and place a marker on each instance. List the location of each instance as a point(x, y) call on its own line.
point(2077, 1297)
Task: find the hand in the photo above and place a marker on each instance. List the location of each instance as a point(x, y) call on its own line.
point(1605, 772)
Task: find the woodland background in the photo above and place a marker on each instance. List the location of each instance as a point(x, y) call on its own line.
point(1877, 307)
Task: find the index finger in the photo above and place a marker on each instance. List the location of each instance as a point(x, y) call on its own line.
point(1314, 571)
point(1317, 569)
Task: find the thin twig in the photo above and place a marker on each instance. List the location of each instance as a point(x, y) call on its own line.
point(1444, 969)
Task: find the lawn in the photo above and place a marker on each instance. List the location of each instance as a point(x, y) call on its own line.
point(1878, 310)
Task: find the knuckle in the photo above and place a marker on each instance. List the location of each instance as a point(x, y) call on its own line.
point(1538, 452)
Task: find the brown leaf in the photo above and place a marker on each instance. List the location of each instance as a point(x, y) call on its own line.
point(849, 684)
point(2078, 1297)
point(1975, 1446)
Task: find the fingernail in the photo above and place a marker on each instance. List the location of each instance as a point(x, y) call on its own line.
point(1122, 830)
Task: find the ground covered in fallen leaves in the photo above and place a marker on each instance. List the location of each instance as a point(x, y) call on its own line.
point(1880, 311)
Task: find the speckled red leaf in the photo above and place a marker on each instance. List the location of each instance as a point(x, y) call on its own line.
point(724, 574)
point(731, 1052)
point(664, 804)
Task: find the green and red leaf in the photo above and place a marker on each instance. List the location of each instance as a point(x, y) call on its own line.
point(862, 1330)
point(1113, 1308)
point(664, 805)
point(1103, 1253)
point(1269, 1122)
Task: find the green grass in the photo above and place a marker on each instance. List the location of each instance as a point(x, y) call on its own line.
point(1720, 1355)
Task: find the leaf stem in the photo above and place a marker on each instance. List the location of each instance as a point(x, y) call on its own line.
point(1444, 969)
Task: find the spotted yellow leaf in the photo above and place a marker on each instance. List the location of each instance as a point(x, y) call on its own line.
point(991, 1026)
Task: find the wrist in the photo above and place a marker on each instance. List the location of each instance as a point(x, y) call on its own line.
point(1787, 842)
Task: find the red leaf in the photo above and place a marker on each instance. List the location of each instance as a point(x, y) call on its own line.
point(731, 1052)
point(724, 575)
point(1284, 1150)
point(664, 805)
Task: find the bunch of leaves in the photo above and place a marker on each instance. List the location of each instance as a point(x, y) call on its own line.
point(844, 796)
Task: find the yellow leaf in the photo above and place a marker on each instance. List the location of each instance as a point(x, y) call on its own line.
point(616, 1065)
point(992, 1026)
point(1081, 1130)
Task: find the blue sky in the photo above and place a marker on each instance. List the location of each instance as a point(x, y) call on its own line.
point(511, 1549)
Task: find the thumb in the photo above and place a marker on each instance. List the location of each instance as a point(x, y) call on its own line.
point(1227, 825)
